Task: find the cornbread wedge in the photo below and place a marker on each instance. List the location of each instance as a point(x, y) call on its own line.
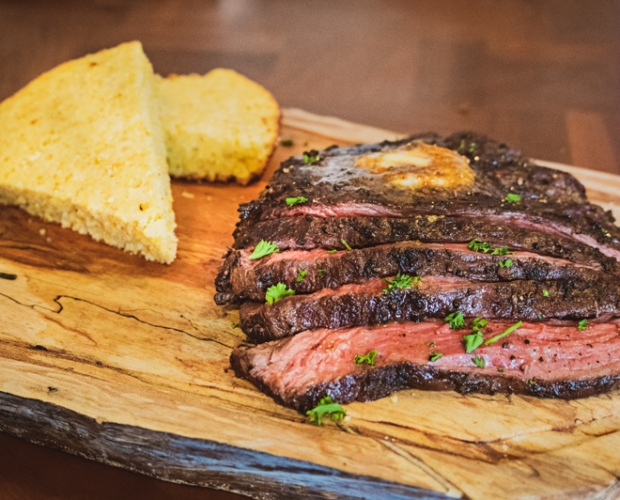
point(218, 126)
point(82, 145)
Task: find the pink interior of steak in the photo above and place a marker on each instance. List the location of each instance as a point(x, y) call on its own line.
point(541, 351)
point(518, 219)
point(376, 285)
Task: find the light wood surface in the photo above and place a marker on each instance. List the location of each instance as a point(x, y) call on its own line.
point(103, 338)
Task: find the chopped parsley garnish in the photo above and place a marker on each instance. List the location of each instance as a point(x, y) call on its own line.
point(478, 361)
point(513, 198)
point(478, 323)
point(301, 275)
point(277, 292)
point(332, 251)
point(500, 370)
point(287, 143)
point(346, 245)
point(472, 341)
point(545, 293)
point(477, 245)
point(234, 325)
point(456, 320)
point(506, 263)
point(326, 408)
point(431, 344)
point(435, 356)
point(583, 324)
point(532, 382)
point(299, 199)
point(263, 249)
point(320, 272)
point(501, 251)
point(400, 281)
point(312, 157)
point(503, 334)
point(369, 358)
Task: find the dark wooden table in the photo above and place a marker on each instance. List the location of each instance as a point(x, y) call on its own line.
point(541, 76)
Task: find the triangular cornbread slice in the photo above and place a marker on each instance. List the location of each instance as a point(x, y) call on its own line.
point(83, 145)
point(218, 126)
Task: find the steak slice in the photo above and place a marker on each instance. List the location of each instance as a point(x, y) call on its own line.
point(338, 186)
point(242, 278)
point(431, 297)
point(308, 233)
point(535, 359)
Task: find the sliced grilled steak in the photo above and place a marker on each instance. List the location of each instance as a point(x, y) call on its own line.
point(307, 233)
point(431, 297)
point(249, 279)
point(338, 186)
point(536, 359)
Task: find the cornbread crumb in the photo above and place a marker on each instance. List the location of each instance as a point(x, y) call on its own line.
point(82, 145)
point(218, 126)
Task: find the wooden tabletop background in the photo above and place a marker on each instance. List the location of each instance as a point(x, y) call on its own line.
point(541, 76)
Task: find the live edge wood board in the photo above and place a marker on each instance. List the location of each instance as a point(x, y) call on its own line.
point(123, 361)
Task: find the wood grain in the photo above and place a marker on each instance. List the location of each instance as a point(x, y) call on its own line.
point(125, 361)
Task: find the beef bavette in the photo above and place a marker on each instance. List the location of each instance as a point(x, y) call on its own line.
point(378, 181)
point(432, 297)
point(245, 278)
point(537, 359)
point(334, 242)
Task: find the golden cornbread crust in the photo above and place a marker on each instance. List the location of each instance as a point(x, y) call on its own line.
point(83, 145)
point(218, 126)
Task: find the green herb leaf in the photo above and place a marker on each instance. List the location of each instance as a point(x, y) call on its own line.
point(234, 325)
point(583, 324)
point(503, 334)
point(263, 249)
point(400, 281)
point(545, 293)
point(478, 323)
point(368, 358)
point(477, 245)
point(513, 198)
point(479, 361)
point(311, 157)
point(431, 344)
point(277, 292)
point(506, 263)
point(501, 251)
point(326, 408)
point(287, 143)
point(332, 251)
point(472, 341)
point(435, 356)
point(346, 245)
point(299, 199)
point(532, 382)
point(320, 272)
point(300, 276)
point(456, 320)
point(501, 370)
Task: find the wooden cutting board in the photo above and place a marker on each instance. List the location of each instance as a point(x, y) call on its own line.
point(125, 362)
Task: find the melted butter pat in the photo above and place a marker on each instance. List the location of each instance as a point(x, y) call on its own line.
point(418, 165)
